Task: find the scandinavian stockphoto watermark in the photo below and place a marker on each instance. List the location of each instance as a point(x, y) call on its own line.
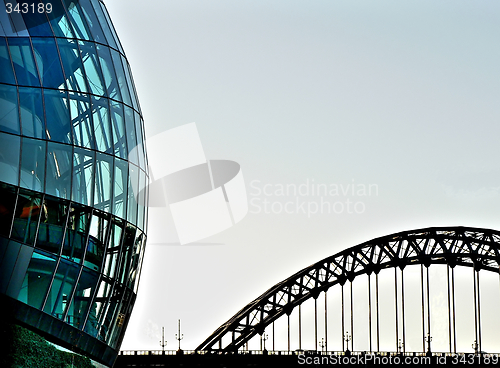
point(310, 198)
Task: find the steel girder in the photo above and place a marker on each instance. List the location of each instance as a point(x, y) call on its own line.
point(464, 246)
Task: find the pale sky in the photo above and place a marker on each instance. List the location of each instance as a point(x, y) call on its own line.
point(400, 95)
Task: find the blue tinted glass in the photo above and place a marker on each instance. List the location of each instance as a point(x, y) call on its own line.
point(102, 124)
point(110, 24)
point(108, 72)
point(48, 62)
point(9, 109)
point(36, 22)
point(92, 21)
point(133, 187)
point(118, 124)
point(6, 71)
point(72, 64)
point(32, 121)
point(59, 21)
point(140, 145)
point(61, 290)
point(131, 135)
point(104, 24)
point(9, 159)
point(93, 71)
point(24, 64)
point(120, 188)
point(57, 116)
point(83, 176)
point(83, 295)
point(52, 227)
point(59, 170)
point(103, 182)
point(120, 77)
point(80, 25)
point(81, 119)
point(33, 164)
point(130, 84)
point(28, 211)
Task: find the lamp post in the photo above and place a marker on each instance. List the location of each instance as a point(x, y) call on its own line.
point(400, 346)
point(263, 338)
point(163, 343)
point(347, 338)
point(475, 346)
point(179, 336)
point(322, 344)
point(428, 339)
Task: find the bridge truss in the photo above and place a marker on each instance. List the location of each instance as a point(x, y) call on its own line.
point(450, 246)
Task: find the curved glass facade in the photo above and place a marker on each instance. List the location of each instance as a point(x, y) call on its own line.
point(72, 165)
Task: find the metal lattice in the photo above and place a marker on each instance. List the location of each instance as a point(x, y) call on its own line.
point(463, 246)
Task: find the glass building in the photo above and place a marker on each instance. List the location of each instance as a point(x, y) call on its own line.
point(73, 208)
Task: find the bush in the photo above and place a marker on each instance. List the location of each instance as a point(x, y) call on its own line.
point(21, 348)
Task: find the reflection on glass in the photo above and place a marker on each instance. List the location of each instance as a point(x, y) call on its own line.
point(33, 164)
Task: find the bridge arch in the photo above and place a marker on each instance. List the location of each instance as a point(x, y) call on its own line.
point(452, 246)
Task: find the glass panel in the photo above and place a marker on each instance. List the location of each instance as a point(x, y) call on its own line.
point(74, 12)
point(48, 63)
point(136, 260)
point(104, 24)
point(103, 182)
point(9, 159)
point(72, 64)
point(113, 251)
point(51, 228)
point(28, 210)
point(8, 197)
point(83, 178)
point(127, 251)
point(81, 120)
point(118, 123)
point(36, 22)
point(37, 279)
point(32, 121)
point(120, 188)
point(59, 170)
point(59, 21)
point(7, 74)
point(76, 233)
point(133, 186)
point(97, 240)
point(60, 292)
point(97, 315)
point(92, 21)
point(24, 64)
point(83, 294)
point(140, 141)
point(120, 75)
point(93, 71)
point(120, 319)
point(33, 164)
point(108, 71)
point(102, 124)
point(130, 83)
point(110, 24)
point(131, 135)
point(9, 109)
point(142, 199)
point(57, 116)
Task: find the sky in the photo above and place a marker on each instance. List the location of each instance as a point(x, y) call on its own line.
point(393, 102)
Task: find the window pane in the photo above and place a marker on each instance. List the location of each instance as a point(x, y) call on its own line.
point(131, 135)
point(97, 238)
point(81, 28)
point(120, 74)
point(103, 182)
point(133, 186)
point(57, 116)
point(51, 228)
point(72, 64)
point(7, 74)
point(102, 124)
point(28, 210)
point(36, 23)
point(37, 279)
point(24, 64)
point(127, 252)
point(136, 261)
point(60, 292)
point(32, 121)
point(59, 21)
point(9, 159)
point(59, 170)
point(92, 68)
point(110, 24)
point(83, 294)
point(81, 120)
point(8, 196)
point(113, 250)
point(76, 233)
point(83, 179)
point(120, 188)
point(92, 21)
point(95, 325)
point(9, 109)
point(118, 124)
point(33, 164)
point(108, 71)
point(48, 63)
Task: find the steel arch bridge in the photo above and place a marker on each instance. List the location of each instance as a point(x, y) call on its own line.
point(452, 246)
